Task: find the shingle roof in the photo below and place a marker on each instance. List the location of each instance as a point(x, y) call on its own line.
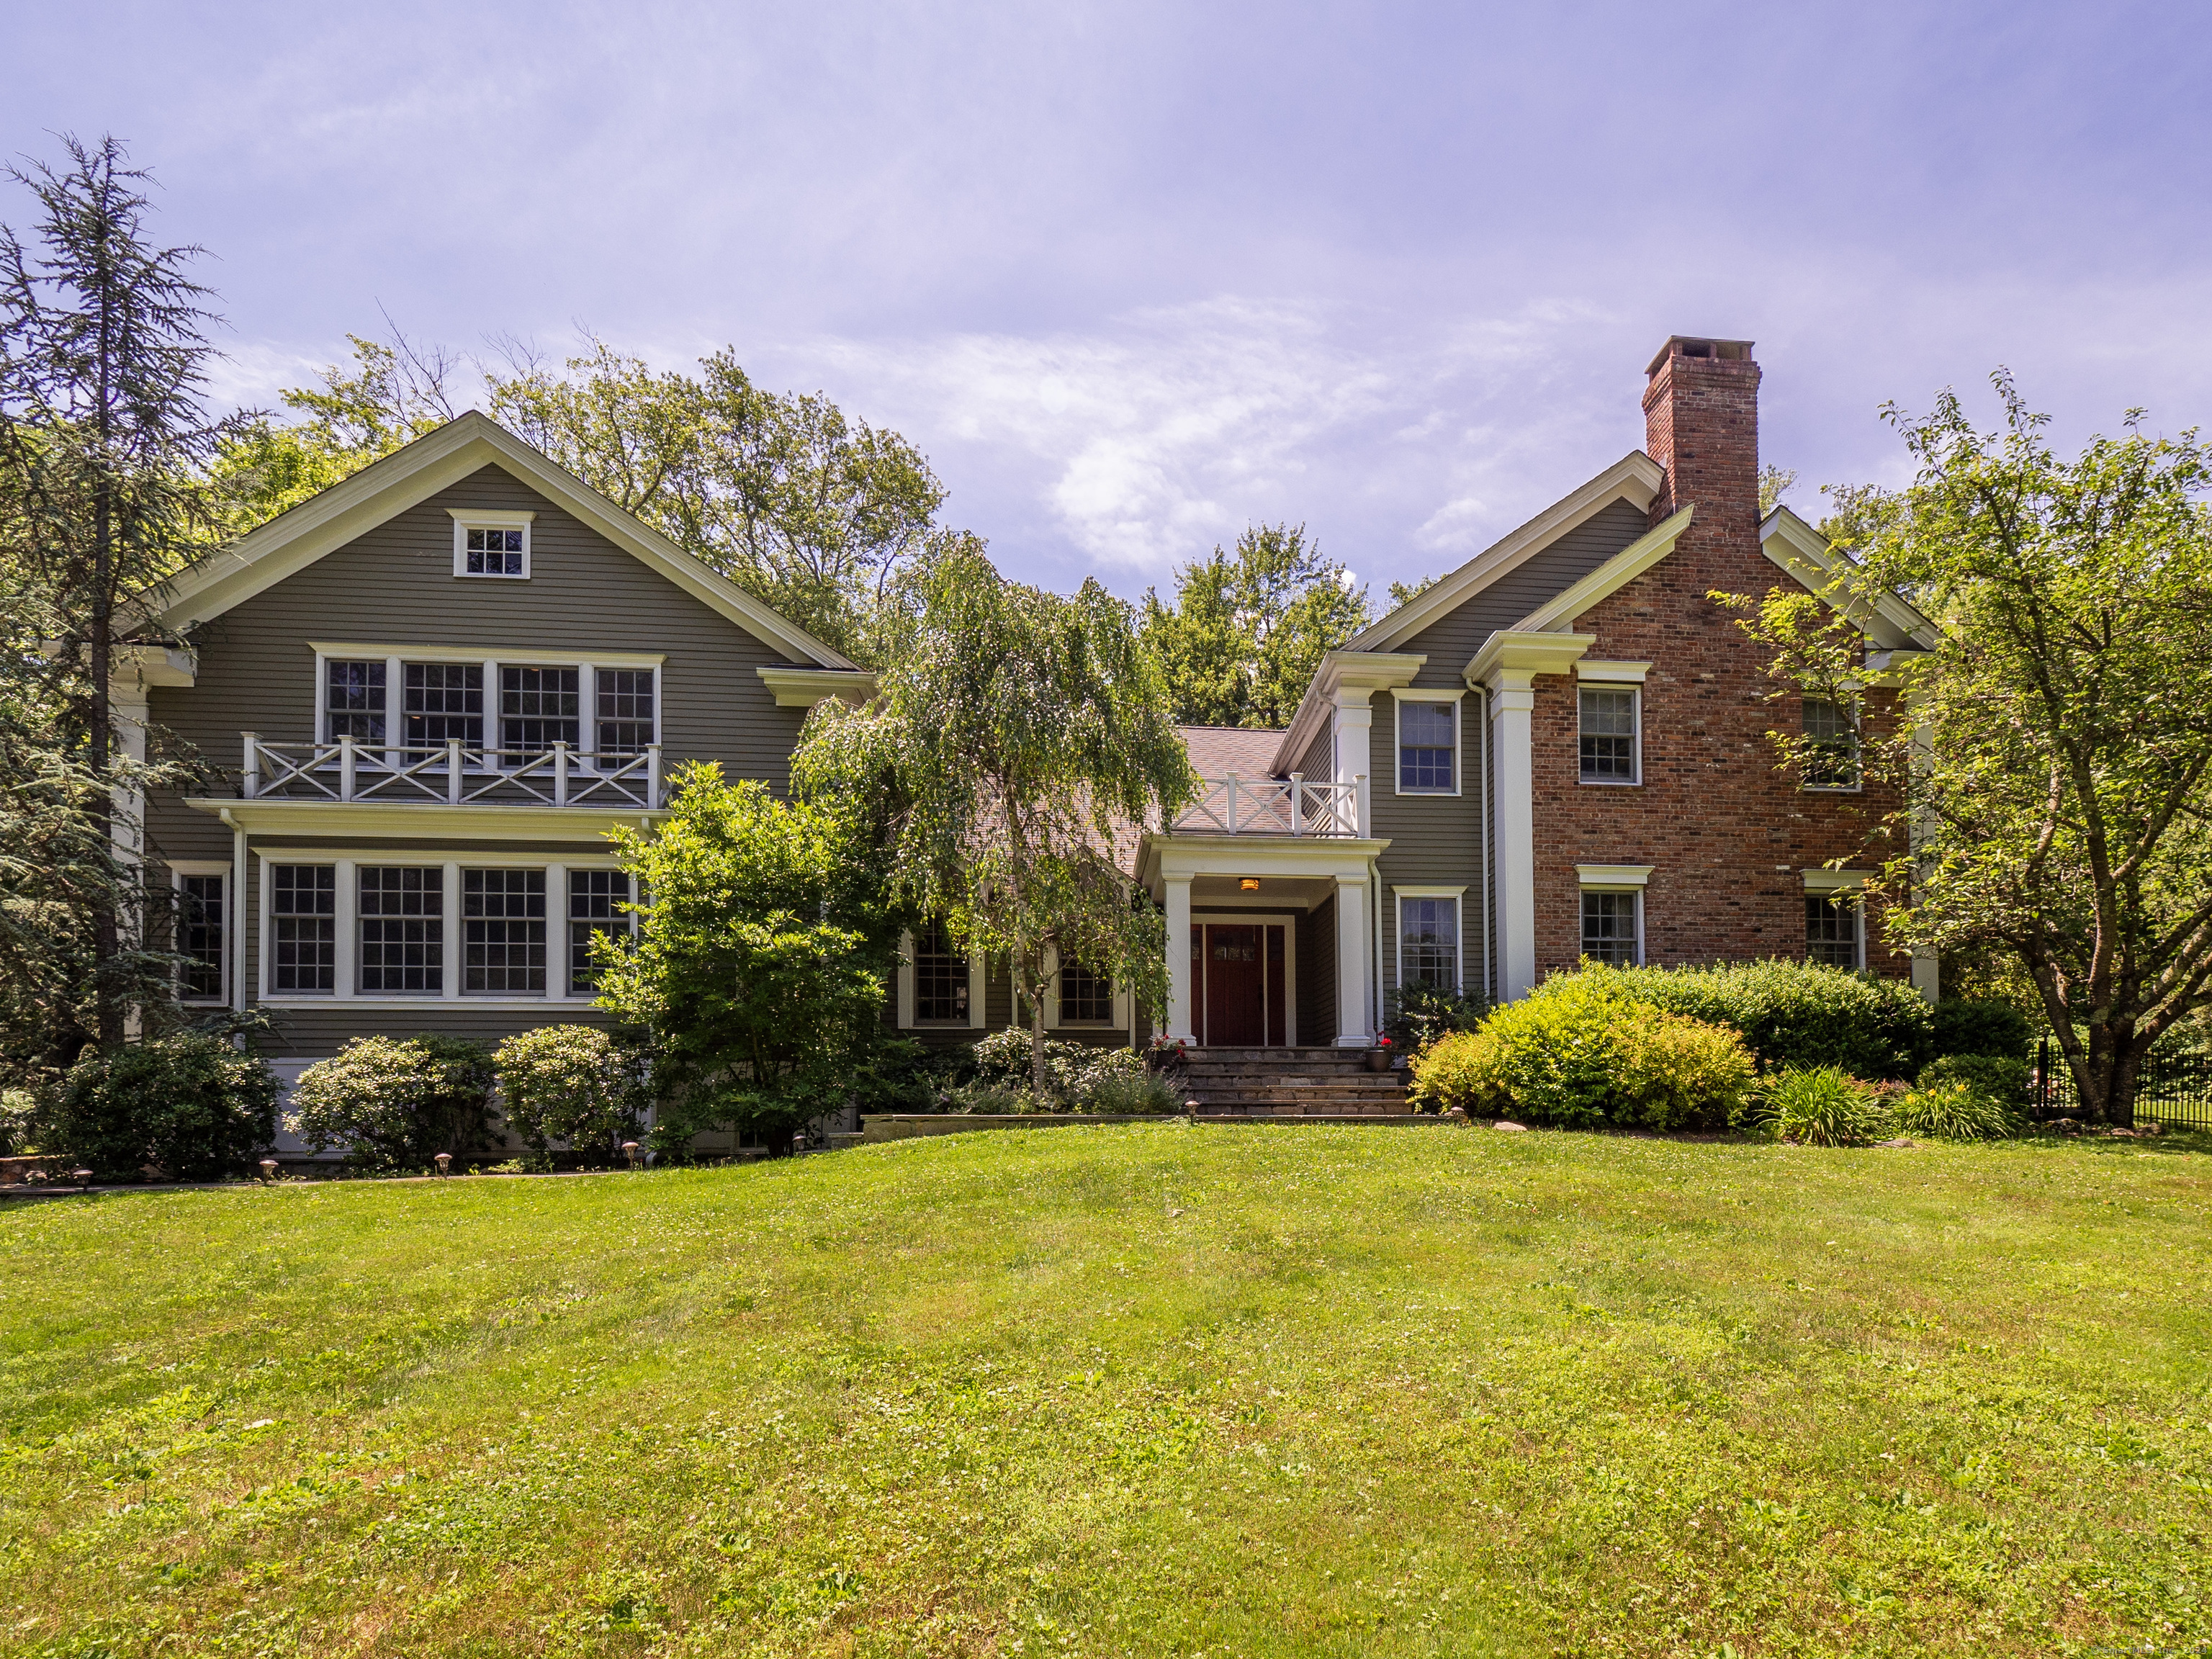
point(1218, 751)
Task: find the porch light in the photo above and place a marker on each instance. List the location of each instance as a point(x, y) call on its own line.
point(1249, 883)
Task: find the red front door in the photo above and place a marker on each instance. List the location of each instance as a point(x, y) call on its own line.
point(1241, 989)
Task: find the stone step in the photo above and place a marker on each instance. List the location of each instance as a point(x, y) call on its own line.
point(1271, 1056)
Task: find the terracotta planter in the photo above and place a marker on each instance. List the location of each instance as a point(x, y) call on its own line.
point(1379, 1060)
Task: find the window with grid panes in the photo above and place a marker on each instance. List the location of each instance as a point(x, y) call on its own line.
point(402, 918)
point(303, 926)
point(625, 712)
point(1834, 742)
point(537, 708)
point(353, 699)
point(1424, 745)
point(1832, 929)
point(1428, 942)
point(503, 937)
point(1609, 928)
point(1608, 734)
point(200, 936)
point(1085, 998)
point(594, 897)
point(940, 977)
point(495, 552)
point(443, 702)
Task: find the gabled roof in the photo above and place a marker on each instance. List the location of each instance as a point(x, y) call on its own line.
point(1891, 622)
point(1557, 615)
point(1635, 478)
point(1216, 751)
point(294, 539)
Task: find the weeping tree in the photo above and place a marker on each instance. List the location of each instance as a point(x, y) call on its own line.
point(2055, 774)
point(104, 438)
point(1018, 740)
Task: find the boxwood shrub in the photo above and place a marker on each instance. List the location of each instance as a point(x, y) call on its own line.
point(191, 1106)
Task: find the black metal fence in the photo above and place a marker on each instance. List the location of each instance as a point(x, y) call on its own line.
point(2174, 1088)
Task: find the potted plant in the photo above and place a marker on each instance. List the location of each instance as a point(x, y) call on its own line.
point(1381, 1057)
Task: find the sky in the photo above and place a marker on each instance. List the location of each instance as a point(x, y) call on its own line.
point(1135, 277)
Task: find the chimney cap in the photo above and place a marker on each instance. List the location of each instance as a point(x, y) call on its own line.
point(1699, 345)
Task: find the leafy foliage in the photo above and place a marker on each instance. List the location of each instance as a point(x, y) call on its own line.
point(1822, 1106)
point(190, 1105)
point(1079, 1078)
point(396, 1104)
point(1953, 1110)
point(1965, 1026)
point(1576, 1054)
point(1018, 739)
point(1999, 1078)
point(1241, 642)
point(764, 955)
point(2063, 795)
point(573, 1084)
point(1415, 1015)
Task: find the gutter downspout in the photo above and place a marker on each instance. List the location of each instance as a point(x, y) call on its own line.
point(1482, 831)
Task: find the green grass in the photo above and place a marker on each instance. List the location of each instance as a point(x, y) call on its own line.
point(1143, 1390)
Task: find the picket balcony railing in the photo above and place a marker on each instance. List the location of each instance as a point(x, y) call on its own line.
point(1232, 805)
point(449, 774)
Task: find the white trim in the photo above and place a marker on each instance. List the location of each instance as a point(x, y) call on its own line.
point(978, 992)
point(1344, 680)
point(1213, 912)
point(1613, 877)
point(1557, 615)
point(489, 519)
point(1635, 479)
point(1857, 785)
point(267, 815)
point(179, 869)
point(1635, 779)
point(413, 474)
point(1635, 890)
point(1611, 673)
point(1805, 555)
point(354, 650)
point(1400, 697)
point(1822, 880)
point(1853, 882)
point(1052, 1019)
point(1458, 896)
point(904, 1013)
point(802, 688)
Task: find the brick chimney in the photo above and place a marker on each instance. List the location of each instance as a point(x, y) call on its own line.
point(1701, 424)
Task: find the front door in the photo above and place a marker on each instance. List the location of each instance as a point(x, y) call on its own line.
point(1240, 987)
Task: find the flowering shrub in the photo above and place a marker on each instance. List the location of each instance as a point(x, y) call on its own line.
point(1078, 1079)
point(571, 1083)
point(1823, 1106)
point(393, 1104)
point(1575, 1055)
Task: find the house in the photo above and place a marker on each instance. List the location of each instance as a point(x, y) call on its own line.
point(434, 687)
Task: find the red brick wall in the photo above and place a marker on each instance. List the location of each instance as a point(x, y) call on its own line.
point(1726, 832)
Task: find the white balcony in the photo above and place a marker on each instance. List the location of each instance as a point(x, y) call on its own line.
point(1273, 806)
point(449, 774)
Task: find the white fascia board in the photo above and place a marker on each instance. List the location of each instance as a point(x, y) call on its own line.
point(1825, 880)
point(294, 539)
point(428, 821)
point(1615, 876)
point(1558, 615)
point(1365, 671)
point(1804, 554)
point(1635, 477)
point(1517, 651)
point(1321, 858)
point(802, 688)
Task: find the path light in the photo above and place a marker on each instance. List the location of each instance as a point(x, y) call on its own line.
point(269, 1168)
point(630, 1152)
point(82, 1177)
point(445, 1161)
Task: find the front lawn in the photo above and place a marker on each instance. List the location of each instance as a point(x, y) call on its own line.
point(1154, 1390)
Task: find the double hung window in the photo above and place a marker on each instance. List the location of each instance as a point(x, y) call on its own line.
point(303, 927)
point(1831, 745)
point(1085, 998)
point(941, 978)
point(1428, 942)
point(353, 700)
point(200, 937)
point(403, 931)
point(538, 709)
point(1427, 745)
point(625, 711)
point(444, 703)
point(1608, 734)
point(1612, 929)
point(595, 898)
point(1832, 929)
point(503, 938)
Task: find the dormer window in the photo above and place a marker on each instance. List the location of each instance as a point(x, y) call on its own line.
point(491, 543)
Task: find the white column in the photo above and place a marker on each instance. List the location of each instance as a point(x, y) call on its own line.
point(1355, 722)
point(1928, 977)
point(347, 882)
point(1352, 1029)
point(1513, 704)
point(556, 933)
point(236, 917)
point(1180, 1026)
point(450, 952)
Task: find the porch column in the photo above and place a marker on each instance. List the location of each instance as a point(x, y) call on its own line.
point(1513, 703)
point(1355, 721)
point(1352, 1031)
point(1180, 1026)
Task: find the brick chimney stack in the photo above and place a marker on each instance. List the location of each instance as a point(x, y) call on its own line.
point(1701, 424)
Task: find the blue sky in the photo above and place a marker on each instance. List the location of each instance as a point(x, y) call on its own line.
point(1135, 275)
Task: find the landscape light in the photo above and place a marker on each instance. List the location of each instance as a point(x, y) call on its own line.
point(269, 1168)
point(630, 1152)
point(83, 1177)
point(445, 1161)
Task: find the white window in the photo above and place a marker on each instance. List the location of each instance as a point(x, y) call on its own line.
point(595, 902)
point(1610, 734)
point(401, 920)
point(503, 932)
point(202, 931)
point(508, 712)
point(303, 928)
point(1429, 951)
point(1428, 742)
point(1613, 912)
point(937, 984)
point(1832, 739)
point(1077, 995)
point(491, 543)
point(1835, 918)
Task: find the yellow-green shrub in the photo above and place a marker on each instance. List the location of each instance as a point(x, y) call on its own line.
point(1572, 1056)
